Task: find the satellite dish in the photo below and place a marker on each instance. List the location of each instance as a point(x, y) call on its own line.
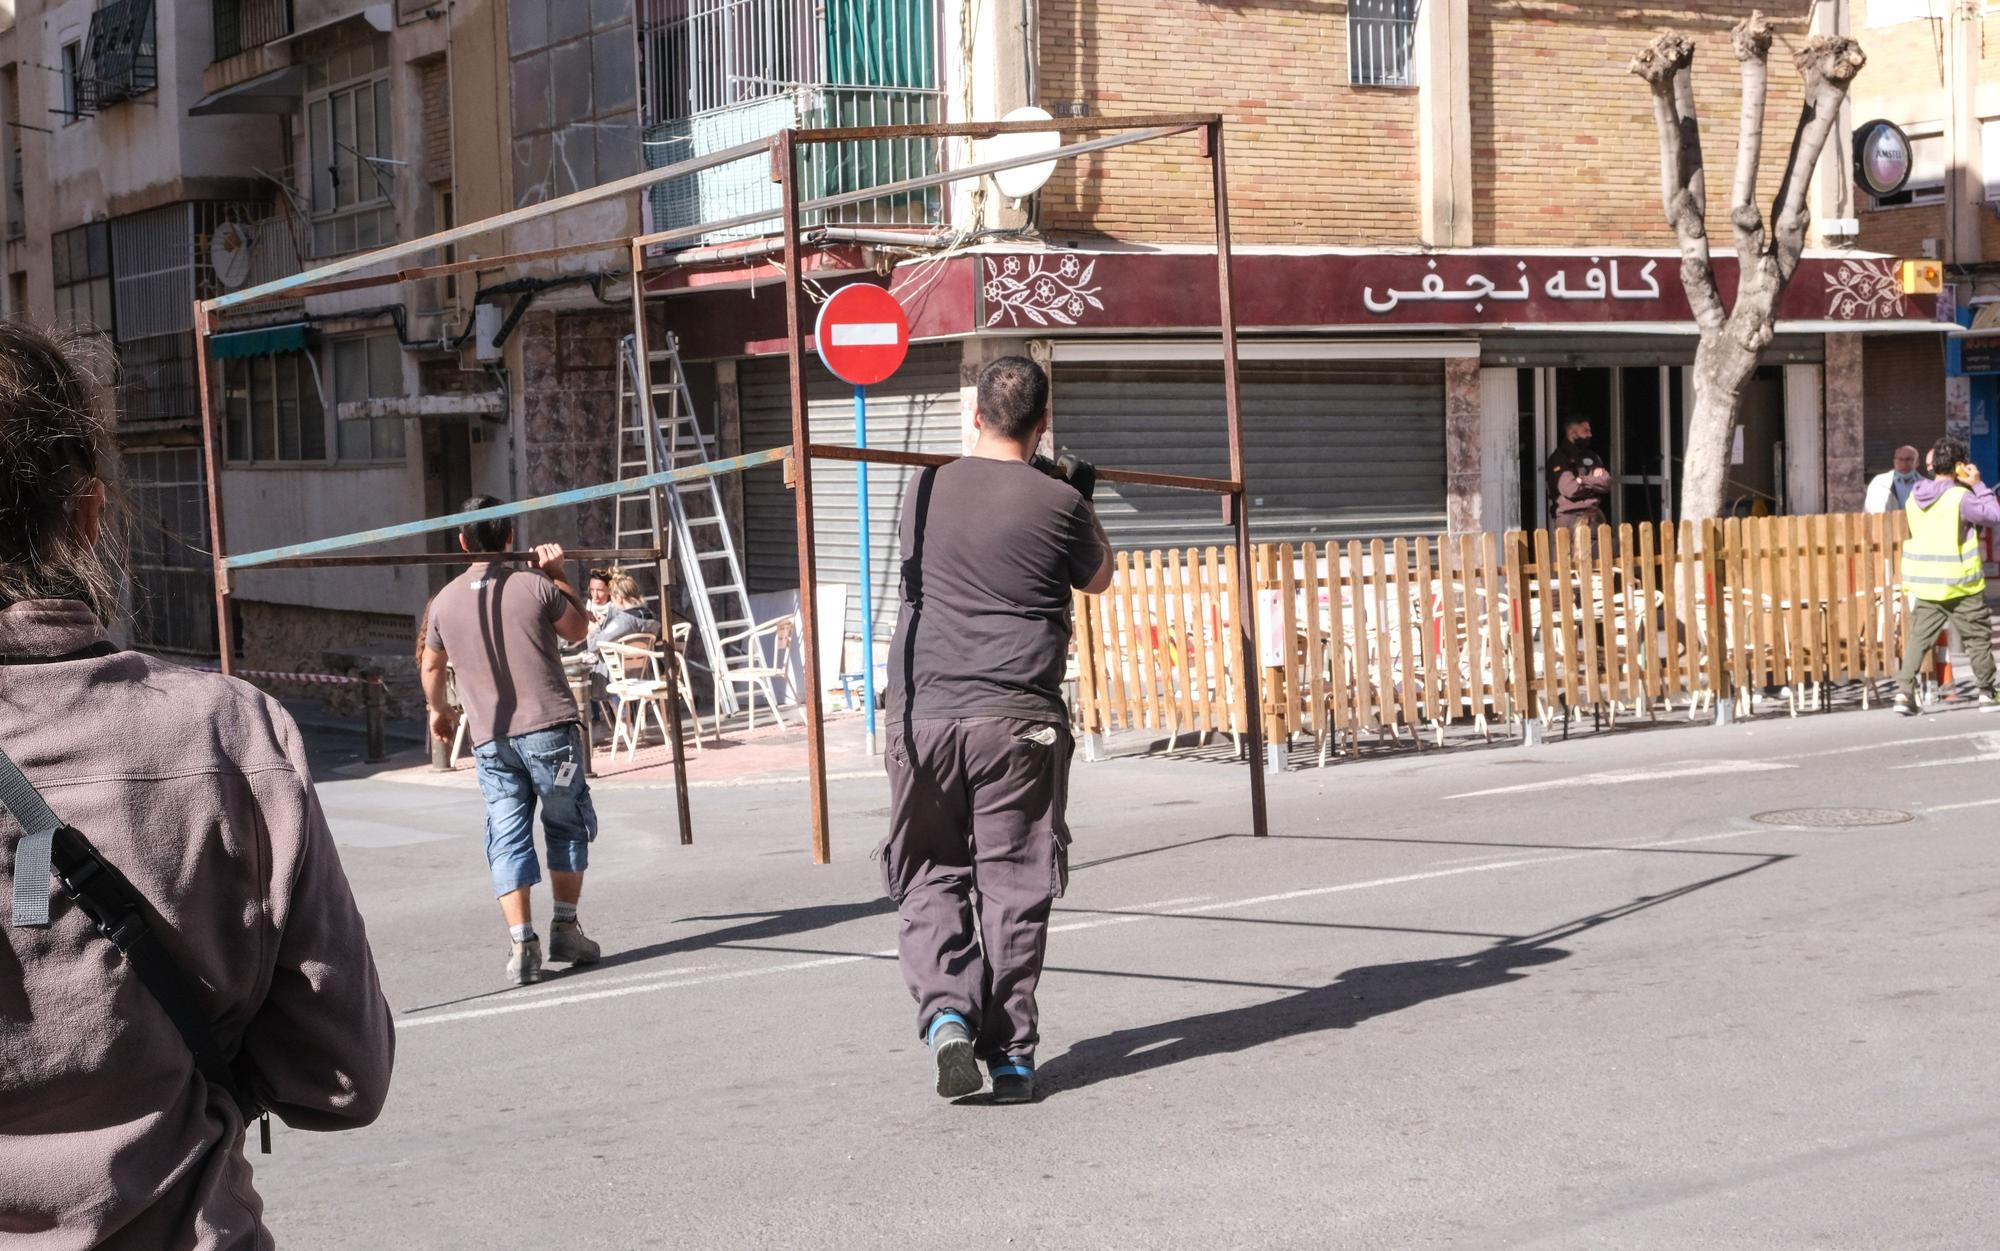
point(1023, 180)
point(229, 254)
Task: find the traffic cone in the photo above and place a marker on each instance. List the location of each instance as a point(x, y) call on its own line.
point(1943, 653)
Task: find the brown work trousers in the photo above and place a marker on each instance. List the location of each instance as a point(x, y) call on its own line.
point(976, 814)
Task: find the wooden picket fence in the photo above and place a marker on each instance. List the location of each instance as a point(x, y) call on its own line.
point(1407, 634)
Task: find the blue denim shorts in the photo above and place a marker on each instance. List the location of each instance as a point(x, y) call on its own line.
point(514, 773)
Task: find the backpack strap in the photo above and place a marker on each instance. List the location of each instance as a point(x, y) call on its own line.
point(115, 907)
point(32, 855)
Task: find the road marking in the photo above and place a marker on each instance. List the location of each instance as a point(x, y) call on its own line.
point(675, 981)
point(1986, 749)
point(1976, 803)
point(1624, 777)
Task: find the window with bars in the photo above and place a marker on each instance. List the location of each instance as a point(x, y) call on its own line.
point(271, 409)
point(368, 367)
point(348, 125)
point(173, 591)
point(72, 82)
point(82, 269)
point(1381, 43)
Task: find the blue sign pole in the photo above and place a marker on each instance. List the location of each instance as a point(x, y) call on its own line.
point(867, 577)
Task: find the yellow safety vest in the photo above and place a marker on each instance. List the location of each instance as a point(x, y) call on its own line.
point(1937, 565)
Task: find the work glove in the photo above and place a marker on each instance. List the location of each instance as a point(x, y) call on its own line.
point(1070, 468)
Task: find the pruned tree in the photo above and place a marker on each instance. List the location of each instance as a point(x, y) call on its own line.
point(1767, 256)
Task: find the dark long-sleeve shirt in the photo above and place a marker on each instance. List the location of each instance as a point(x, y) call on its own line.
point(196, 787)
point(1579, 482)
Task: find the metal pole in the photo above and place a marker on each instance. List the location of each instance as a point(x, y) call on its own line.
point(785, 157)
point(1260, 824)
point(867, 578)
point(643, 390)
point(211, 455)
point(373, 698)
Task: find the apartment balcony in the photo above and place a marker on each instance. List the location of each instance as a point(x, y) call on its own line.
point(252, 71)
point(718, 73)
point(827, 169)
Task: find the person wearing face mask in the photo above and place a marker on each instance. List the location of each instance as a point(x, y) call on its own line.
point(1889, 491)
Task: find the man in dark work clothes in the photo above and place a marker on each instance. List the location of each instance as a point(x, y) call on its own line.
point(993, 545)
point(1579, 482)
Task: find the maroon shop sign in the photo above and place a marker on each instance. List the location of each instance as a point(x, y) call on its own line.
point(1056, 292)
point(1049, 291)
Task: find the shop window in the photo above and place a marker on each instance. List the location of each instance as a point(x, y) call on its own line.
point(1381, 43)
point(271, 409)
point(81, 262)
point(369, 367)
point(348, 124)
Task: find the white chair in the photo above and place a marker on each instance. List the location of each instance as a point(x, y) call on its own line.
point(751, 672)
point(451, 694)
point(634, 664)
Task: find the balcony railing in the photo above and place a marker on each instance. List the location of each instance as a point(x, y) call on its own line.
point(120, 56)
point(718, 73)
point(241, 25)
point(828, 169)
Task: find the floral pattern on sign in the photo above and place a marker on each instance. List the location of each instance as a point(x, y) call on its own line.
point(1036, 290)
point(1863, 290)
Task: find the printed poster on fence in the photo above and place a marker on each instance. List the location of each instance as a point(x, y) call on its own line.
point(1270, 629)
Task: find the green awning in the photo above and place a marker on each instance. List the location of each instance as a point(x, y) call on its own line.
point(265, 341)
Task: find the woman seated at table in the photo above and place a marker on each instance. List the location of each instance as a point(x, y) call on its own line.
point(625, 615)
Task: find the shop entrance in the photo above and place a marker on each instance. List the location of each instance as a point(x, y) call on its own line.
point(1638, 419)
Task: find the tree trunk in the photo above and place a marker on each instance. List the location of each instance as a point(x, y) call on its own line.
point(1723, 368)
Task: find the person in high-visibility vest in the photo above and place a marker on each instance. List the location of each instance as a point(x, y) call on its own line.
point(1944, 570)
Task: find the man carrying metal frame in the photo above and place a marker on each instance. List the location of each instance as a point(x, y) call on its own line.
point(499, 630)
point(979, 744)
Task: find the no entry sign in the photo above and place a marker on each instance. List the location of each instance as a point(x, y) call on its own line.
point(862, 334)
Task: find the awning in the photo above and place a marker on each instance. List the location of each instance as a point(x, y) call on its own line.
point(278, 92)
point(1985, 323)
point(264, 341)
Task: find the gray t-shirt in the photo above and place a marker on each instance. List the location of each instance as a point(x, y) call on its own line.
point(991, 552)
point(497, 627)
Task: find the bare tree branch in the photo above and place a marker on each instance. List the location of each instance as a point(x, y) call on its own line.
point(1829, 63)
point(1664, 64)
point(1751, 40)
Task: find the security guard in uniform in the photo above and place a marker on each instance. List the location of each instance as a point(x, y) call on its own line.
point(1944, 570)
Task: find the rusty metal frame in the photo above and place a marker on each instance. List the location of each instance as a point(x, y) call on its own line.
point(347, 274)
point(785, 172)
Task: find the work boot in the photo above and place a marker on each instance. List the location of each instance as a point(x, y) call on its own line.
point(1905, 706)
point(524, 965)
point(567, 944)
point(1013, 1079)
point(951, 1050)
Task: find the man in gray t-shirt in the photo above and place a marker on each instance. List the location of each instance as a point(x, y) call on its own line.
point(993, 545)
point(498, 629)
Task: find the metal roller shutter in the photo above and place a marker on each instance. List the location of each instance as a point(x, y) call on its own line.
point(915, 411)
point(1333, 449)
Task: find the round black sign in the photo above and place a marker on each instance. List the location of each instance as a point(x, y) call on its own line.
point(1882, 158)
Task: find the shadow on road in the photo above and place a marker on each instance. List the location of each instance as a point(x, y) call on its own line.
point(1357, 995)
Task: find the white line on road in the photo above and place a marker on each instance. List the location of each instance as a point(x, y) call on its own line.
point(1986, 749)
point(1975, 803)
point(1622, 777)
point(674, 982)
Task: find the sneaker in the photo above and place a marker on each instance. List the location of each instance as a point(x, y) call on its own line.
point(524, 965)
point(1905, 706)
point(567, 944)
point(951, 1049)
point(1013, 1080)
point(1989, 701)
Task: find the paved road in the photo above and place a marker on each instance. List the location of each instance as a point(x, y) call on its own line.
point(1566, 997)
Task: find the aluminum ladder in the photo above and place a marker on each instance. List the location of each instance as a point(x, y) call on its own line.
point(709, 572)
